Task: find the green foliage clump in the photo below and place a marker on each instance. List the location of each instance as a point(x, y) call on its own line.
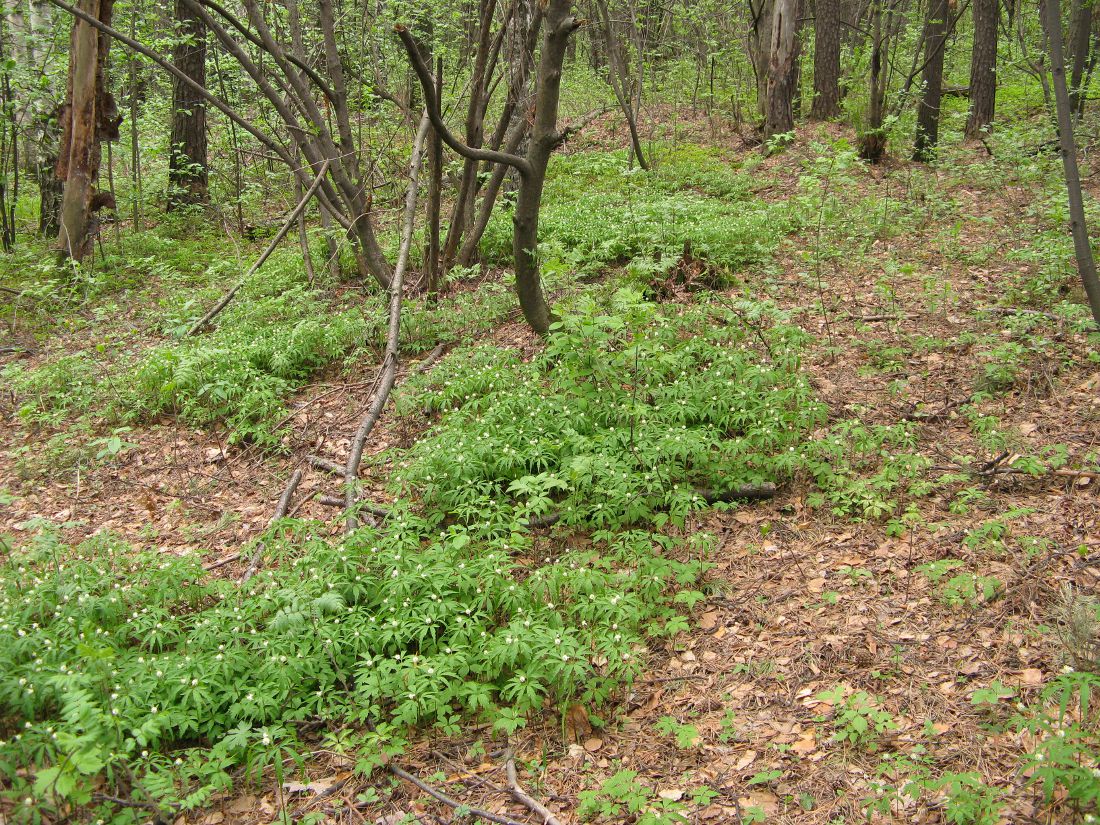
point(267, 342)
point(840, 462)
point(1066, 758)
point(631, 416)
point(597, 213)
point(69, 384)
point(624, 795)
point(136, 672)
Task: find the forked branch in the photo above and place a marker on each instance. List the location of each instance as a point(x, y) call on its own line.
point(431, 102)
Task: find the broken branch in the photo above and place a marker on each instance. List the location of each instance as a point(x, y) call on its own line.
point(229, 296)
point(280, 511)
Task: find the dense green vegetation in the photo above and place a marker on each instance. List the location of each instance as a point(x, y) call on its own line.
point(789, 516)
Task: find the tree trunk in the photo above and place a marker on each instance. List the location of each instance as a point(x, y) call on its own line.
point(44, 132)
point(826, 103)
point(432, 263)
point(761, 13)
point(1086, 264)
point(619, 77)
point(1079, 37)
point(187, 165)
point(928, 110)
point(872, 140)
point(88, 117)
point(778, 112)
point(559, 25)
point(475, 133)
point(983, 66)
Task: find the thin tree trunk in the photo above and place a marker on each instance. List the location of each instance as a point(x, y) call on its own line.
point(1094, 53)
point(619, 78)
point(1086, 264)
point(135, 146)
point(435, 195)
point(872, 140)
point(928, 110)
point(475, 125)
point(826, 103)
point(1080, 35)
point(545, 138)
point(187, 165)
point(983, 66)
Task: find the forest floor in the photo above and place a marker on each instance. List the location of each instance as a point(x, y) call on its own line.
point(901, 284)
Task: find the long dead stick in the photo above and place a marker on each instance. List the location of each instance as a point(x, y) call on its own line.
point(446, 800)
point(388, 375)
point(280, 511)
point(298, 210)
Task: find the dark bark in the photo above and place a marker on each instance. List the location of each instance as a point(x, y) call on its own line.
point(1080, 34)
point(983, 66)
point(187, 166)
point(872, 139)
point(50, 186)
point(432, 262)
point(512, 128)
point(826, 103)
point(559, 24)
point(928, 109)
point(1086, 264)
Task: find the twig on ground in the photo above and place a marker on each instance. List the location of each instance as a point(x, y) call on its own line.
point(488, 816)
point(326, 464)
point(214, 565)
point(522, 797)
point(870, 319)
point(430, 361)
point(940, 414)
point(280, 511)
point(365, 506)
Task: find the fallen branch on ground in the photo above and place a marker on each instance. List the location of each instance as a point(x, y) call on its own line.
point(280, 511)
point(326, 464)
point(433, 356)
point(388, 374)
point(365, 506)
point(448, 801)
point(522, 797)
point(745, 491)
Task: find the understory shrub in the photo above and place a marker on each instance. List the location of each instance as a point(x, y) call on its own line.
point(136, 673)
point(598, 212)
point(636, 415)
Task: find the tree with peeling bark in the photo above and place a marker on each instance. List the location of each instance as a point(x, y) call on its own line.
point(88, 118)
point(782, 71)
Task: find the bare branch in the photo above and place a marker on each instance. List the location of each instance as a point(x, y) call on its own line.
point(424, 73)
